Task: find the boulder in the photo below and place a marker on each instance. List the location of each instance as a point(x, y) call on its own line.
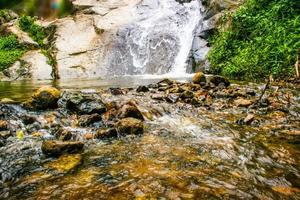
point(199, 78)
point(130, 110)
point(130, 125)
point(57, 148)
point(82, 103)
point(44, 98)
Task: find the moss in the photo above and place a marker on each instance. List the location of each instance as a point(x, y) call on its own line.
point(10, 51)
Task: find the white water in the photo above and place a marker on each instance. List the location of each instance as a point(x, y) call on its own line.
point(158, 42)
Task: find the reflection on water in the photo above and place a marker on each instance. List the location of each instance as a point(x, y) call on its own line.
point(21, 90)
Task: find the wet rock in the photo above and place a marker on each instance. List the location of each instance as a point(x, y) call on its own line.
point(56, 148)
point(116, 91)
point(172, 98)
point(82, 103)
point(87, 120)
point(159, 97)
point(65, 163)
point(187, 95)
point(142, 89)
point(199, 78)
point(44, 98)
point(242, 102)
point(130, 110)
point(88, 136)
point(106, 133)
point(130, 126)
point(249, 119)
point(176, 90)
point(218, 80)
point(65, 135)
point(3, 125)
point(110, 115)
point(165, 82)
point(28, 119)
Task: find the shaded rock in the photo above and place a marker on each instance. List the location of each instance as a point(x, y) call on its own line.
point(5, 134)
point(82, 103)
point(106, 133)
point(130, 126)
point(199, 78)
point(3, 125)
point(130, 110)
point(65, 135)
point(28, 119)
point(218, 80)
point(187, 95)
point(87, 120)
point(110, 115)
point(116, 91)
point(56, 148)
point(142, 89)
point(65, 163)
point(242, 102)
point(44, 98)
point(176, 90)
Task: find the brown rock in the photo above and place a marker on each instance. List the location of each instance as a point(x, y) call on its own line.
point(242, 102)
point(106, 133)
point(56, 148)
point(130, 110)
point(199, 78)
point(130, 126)
point(3, 125)
point(249, 119)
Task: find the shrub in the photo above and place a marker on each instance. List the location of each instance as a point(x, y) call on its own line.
point(10, 51)
point(263, 38)
point(36, 32)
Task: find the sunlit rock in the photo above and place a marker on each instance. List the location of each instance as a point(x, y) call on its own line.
point(56, 148)
point(130, 126)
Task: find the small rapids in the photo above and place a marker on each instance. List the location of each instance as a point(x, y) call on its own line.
point(186, 152)
point(158, 42)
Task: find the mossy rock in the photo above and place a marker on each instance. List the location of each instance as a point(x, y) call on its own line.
point(44, 98)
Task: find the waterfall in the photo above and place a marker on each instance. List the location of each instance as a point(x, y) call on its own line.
point(158, 41)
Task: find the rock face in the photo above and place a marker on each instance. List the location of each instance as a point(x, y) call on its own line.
point(44, 98)
point(130, 125)
point(56, 148)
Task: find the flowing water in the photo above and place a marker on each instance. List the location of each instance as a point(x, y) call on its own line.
point(186, 152)
point(158, 42)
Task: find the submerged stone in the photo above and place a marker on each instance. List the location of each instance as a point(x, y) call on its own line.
point(65, 163)
point(130, 126)
point(56, 148)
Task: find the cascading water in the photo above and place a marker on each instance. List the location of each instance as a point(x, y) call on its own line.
point(158, 42)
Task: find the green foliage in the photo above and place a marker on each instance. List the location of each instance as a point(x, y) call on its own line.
point(263, 38)
point(10, 51)
point(36, 32)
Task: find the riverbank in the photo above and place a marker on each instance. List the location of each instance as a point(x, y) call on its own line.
point(207, 139)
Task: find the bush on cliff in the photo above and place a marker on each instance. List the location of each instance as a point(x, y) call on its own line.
point(262, 38)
